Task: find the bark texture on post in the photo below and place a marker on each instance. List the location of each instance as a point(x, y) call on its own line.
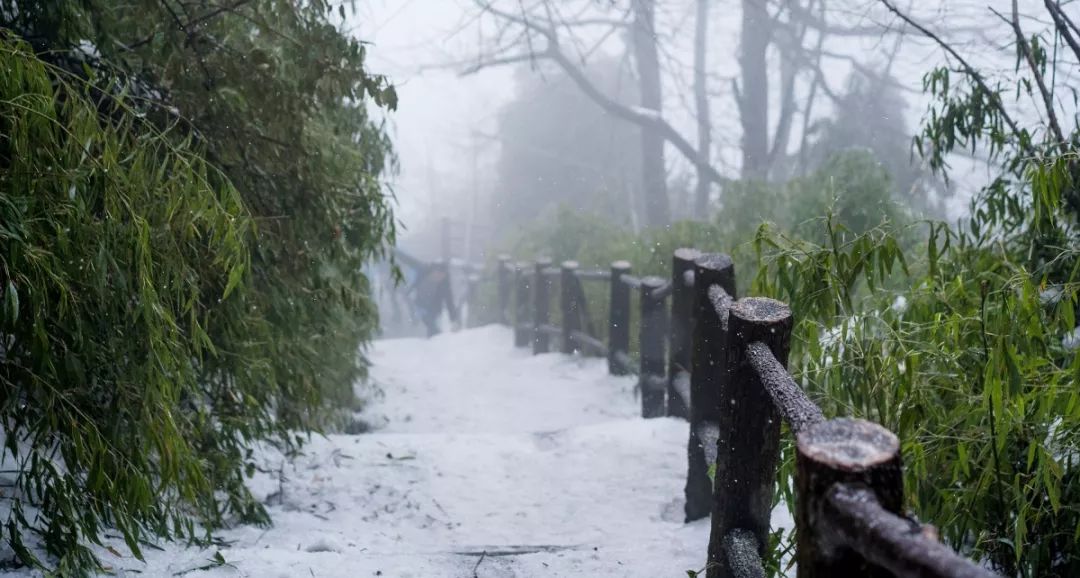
point(841, 451)
point(651, 337)
point(502, 276)
point(749, 441)
point(682, 316)
point(707, 373)
point(618, 318)
point(541, 306)
point(571, 310)
point(891, 544)
point(522, 323)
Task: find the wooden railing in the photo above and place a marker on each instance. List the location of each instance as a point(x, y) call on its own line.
point(720, 362)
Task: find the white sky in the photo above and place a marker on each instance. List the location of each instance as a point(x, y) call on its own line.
point(414, 41)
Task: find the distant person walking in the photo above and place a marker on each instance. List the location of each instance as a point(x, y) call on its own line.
point(431, 292)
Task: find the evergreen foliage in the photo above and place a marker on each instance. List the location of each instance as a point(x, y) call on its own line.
point(187, 194)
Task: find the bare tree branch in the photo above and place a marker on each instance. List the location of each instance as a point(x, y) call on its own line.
point(1061, 23)
point(1025, 50)
point(482, 63)
point(969, 70)
point(647, 119)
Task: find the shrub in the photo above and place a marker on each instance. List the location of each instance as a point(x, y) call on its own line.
point(122, 251)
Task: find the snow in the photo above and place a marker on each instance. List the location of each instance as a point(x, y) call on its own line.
point(485, 461)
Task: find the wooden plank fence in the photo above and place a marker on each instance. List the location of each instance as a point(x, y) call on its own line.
point(720, 363)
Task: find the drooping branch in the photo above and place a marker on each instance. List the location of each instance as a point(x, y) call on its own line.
point(646, 119)
point(969, 70)
point(1061, 22)
point(1029, 58)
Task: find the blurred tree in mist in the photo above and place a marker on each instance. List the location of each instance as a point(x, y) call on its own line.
point(559, 148)
point(870, 116)
point(786, 52)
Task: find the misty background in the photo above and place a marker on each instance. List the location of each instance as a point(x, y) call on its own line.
point(494, 135)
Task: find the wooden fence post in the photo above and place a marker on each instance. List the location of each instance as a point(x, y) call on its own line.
point(502, 276)
point(571, 310)
point(473, 283)
point(521, 305)
point(618, 318)
point(541, 306)
point(854, 452)
point(707, 355)
point(749, 437)
point(682, 316)
point(652, 331)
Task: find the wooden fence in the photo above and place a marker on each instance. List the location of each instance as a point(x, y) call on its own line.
point(720, 362)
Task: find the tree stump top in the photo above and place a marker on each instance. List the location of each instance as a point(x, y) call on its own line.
point(848, 444)
point(620, 264)
point(761, 310)
point(569, 264)
point(715, 261)
point(687, 254)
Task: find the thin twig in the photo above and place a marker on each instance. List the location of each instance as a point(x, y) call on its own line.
point(478, 562)
point(1060, 21)
point(1025, 51)
point(970, 70)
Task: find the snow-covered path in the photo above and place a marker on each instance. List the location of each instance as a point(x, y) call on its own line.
point(485, 461)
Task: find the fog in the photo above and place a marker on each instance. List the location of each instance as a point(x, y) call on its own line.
point(457, 148)
point(505, 288)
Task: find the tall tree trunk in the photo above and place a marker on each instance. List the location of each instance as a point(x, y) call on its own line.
point(754, 94)
point(654, 181)
point(701, 100)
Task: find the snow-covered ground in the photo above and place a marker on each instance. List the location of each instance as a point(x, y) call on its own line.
point(486, 461)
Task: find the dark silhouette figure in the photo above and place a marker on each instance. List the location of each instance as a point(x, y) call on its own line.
point(431, 292)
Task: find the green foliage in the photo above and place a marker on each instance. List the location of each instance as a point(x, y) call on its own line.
point(184, 218)
point(122, 251)
point(966, 362)
point(276, 94)
point(851, 187)
point(870, 115)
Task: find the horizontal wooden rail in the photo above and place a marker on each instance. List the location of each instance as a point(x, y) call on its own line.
point(680, 384)
point(633, 282)
point(722, 364)
point(795, 408)
point(857, 520)
point(549, 330)
point(849, 482)
point(594, 275)
point(589, 344)
point(662, 291)
point(625, 363)
point(741, 548)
